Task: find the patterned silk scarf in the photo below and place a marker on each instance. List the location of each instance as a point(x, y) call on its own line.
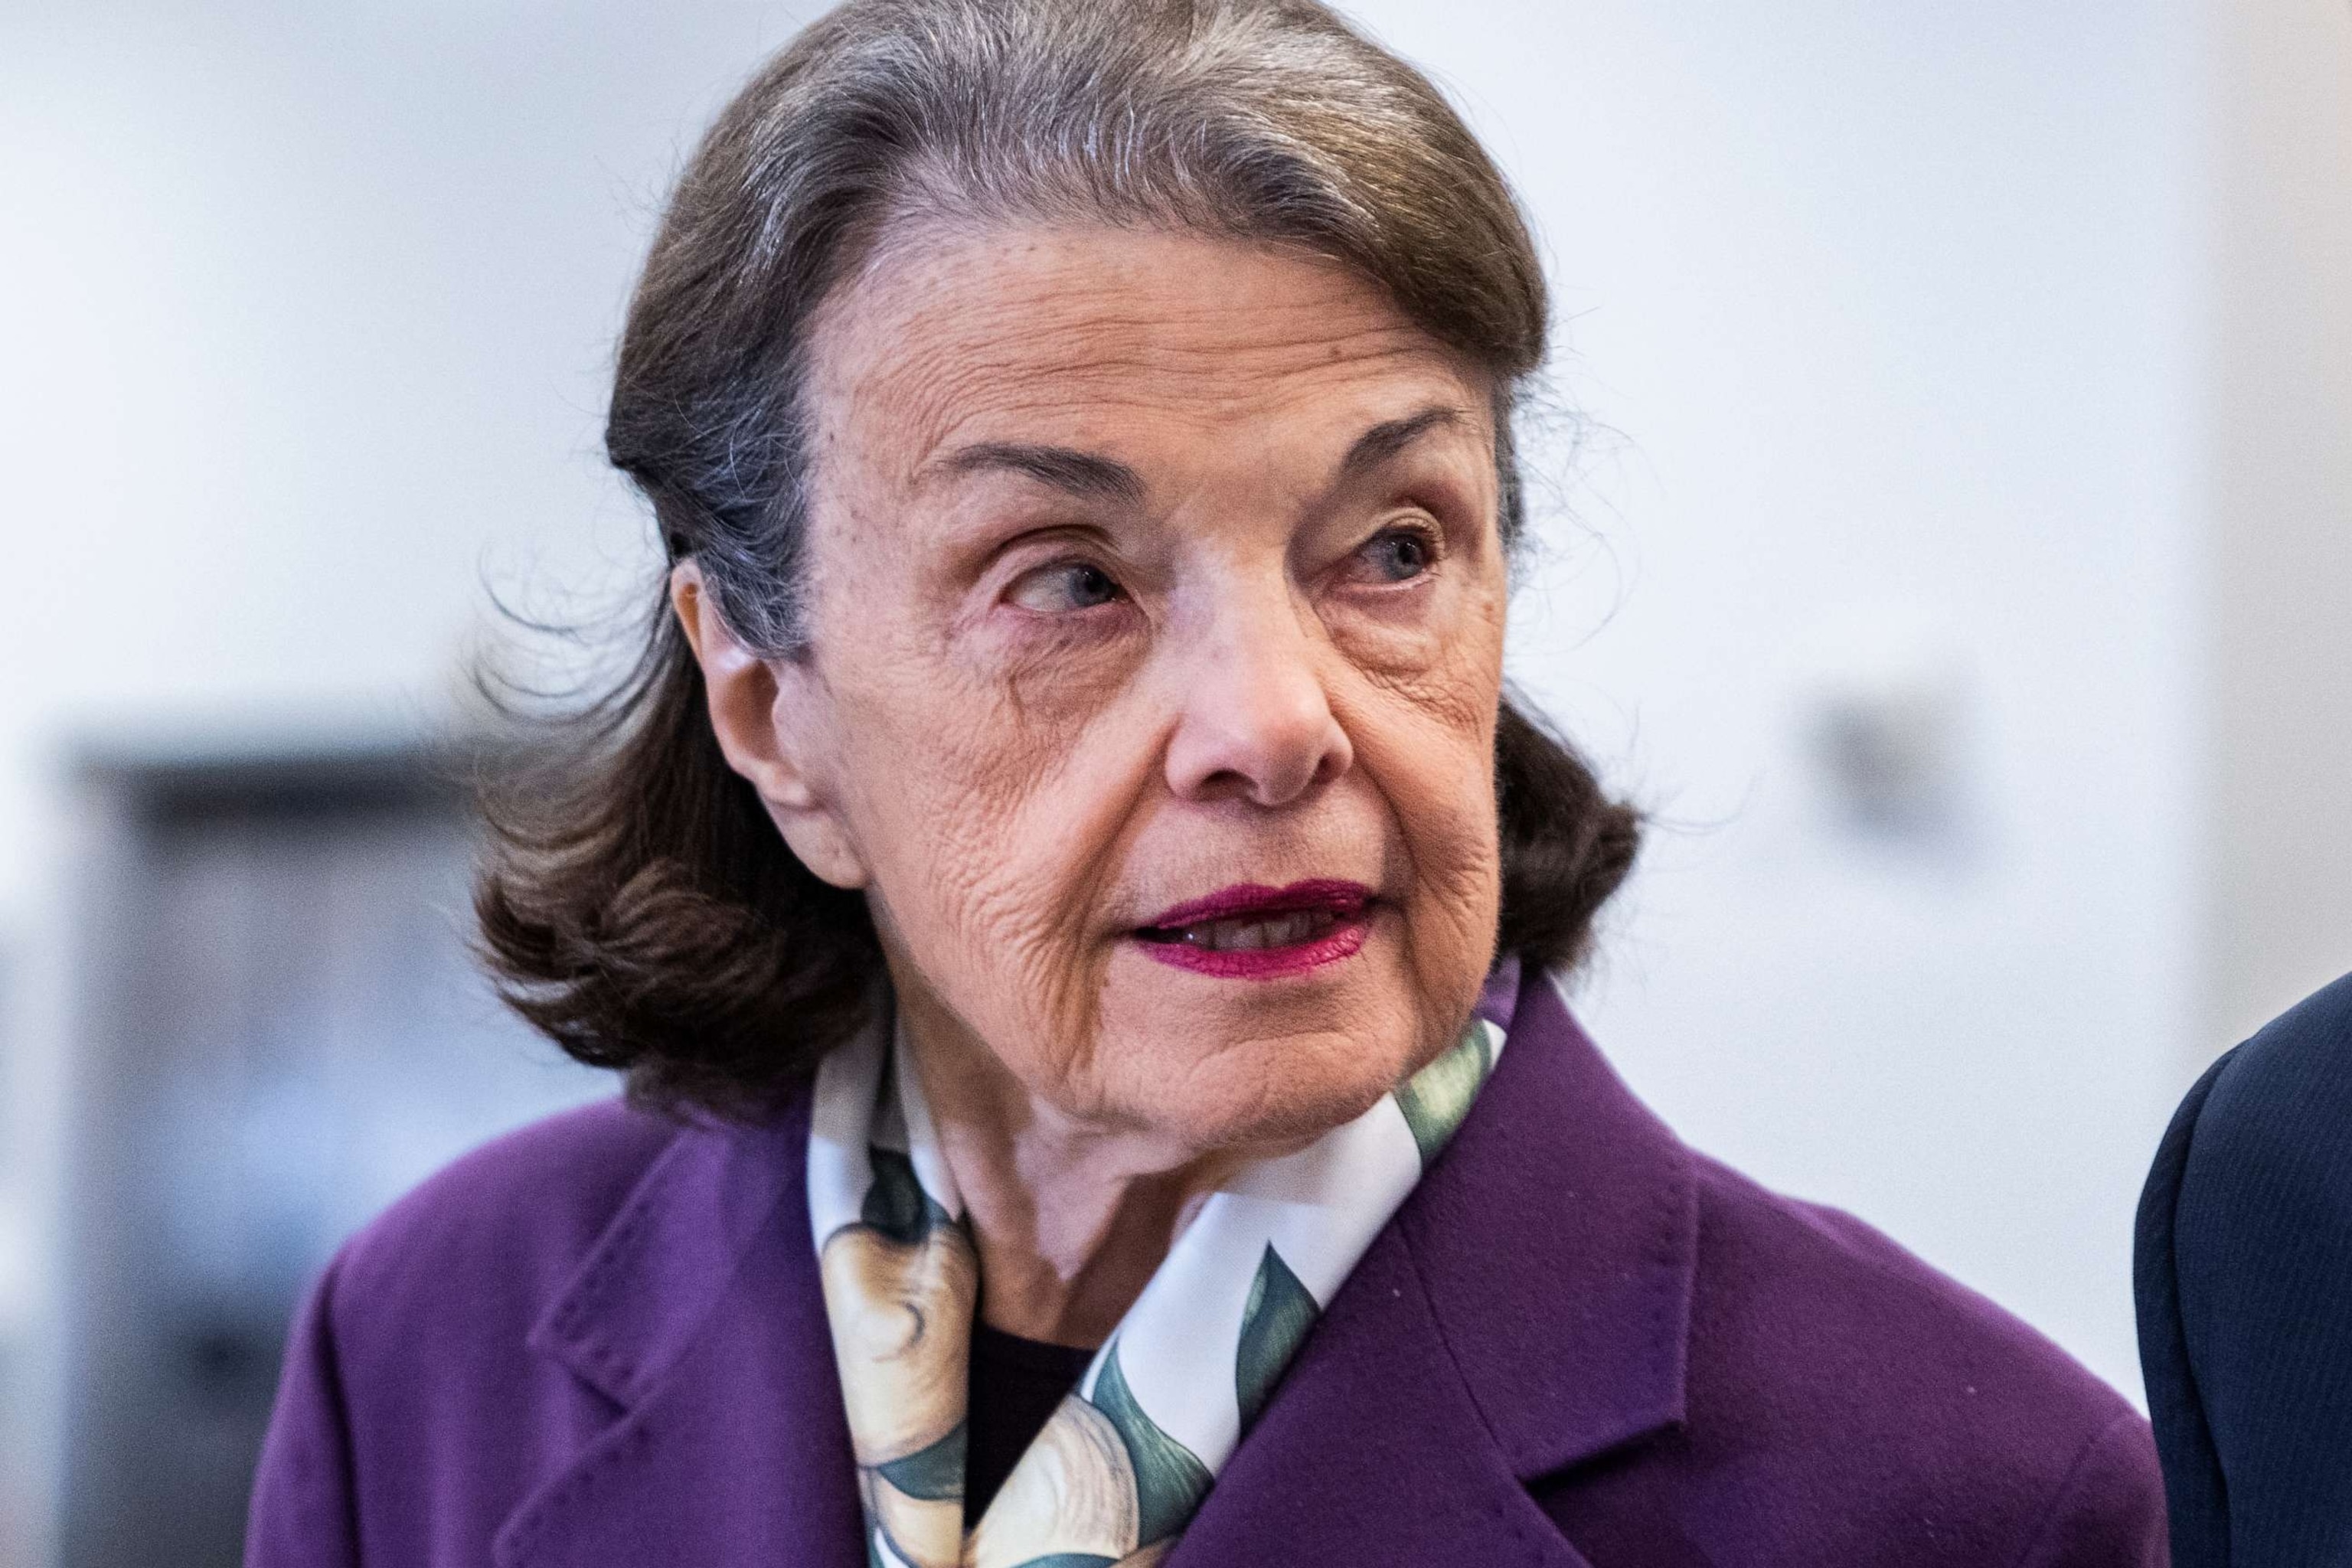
point(1125, 1462)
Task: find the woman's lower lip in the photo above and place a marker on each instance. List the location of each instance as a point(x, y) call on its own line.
point(1341, 940)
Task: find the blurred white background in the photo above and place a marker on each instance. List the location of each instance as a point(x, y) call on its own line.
point(1963, 571)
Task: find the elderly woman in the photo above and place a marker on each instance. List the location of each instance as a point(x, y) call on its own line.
point(1077, 910)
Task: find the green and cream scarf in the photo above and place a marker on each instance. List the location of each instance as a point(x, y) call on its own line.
point(1121, 1468)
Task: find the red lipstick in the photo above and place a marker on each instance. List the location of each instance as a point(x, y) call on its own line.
point(1251, 931)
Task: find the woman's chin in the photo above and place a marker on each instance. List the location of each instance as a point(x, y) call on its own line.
point(1263, 1098)
point(1224, 1061)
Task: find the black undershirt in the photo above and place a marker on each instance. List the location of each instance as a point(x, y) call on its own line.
point(1015, 1385)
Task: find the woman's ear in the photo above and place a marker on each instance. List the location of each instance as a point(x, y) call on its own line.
point(773, 721)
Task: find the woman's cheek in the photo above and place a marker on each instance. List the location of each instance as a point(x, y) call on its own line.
point(1055, 671)
point(1457, 878)
point(936, 802)
point(1448, 952)
point(1432, 758)
point(1026, 839)
point(1396, 649)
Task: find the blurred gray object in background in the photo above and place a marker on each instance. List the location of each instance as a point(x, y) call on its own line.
point(283, 1032)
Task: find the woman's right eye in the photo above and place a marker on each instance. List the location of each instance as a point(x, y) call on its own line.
point(1062, 587)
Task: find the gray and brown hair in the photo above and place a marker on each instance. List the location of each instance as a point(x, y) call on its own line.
point(636, 903)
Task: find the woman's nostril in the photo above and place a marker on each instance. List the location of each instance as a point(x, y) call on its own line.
point(1269, 736)
point(1267, 767)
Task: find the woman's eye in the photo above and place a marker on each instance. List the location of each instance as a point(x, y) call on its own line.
point(1065, 586)
point(1397, 554)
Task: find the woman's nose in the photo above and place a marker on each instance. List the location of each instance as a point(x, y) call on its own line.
point(1255, 721)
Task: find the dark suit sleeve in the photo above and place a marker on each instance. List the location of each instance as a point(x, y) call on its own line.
point(303, 1513)
point(2250, 1359)
point(2192, 1472)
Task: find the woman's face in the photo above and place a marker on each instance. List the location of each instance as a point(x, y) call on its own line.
point(1157, 620)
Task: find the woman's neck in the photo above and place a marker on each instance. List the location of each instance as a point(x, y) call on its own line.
point(1071, 1219)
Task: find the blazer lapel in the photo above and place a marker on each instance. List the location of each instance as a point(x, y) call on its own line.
point(698, 1314)
point(1559, 1237)
point(1372, 1452)
point(1527, 1311)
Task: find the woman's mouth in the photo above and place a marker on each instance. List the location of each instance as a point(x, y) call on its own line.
point(1255, 932)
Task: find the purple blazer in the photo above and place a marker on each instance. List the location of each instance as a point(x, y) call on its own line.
point(599, 1342)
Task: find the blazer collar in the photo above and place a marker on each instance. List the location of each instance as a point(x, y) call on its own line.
point(699, 1313)
point(638, 1298)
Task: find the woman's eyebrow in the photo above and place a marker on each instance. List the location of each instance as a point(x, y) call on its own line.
point(1386, 439)
point(1093, 476)
point(1087, 475)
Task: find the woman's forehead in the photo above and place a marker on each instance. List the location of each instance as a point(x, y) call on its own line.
point(1143, 337)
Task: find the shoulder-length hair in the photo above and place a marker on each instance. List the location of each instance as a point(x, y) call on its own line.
point(636, 902)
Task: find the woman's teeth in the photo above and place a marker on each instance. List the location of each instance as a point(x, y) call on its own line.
point(1262, 931)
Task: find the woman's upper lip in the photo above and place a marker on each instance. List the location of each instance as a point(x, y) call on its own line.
point(1244, 900)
